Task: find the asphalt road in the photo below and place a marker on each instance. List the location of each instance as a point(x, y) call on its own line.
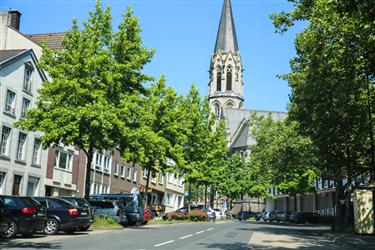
point(225, 236)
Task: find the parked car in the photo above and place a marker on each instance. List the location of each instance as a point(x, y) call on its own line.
point(182, 210)
point(303, 217)
point(25, 215)
point(80, 202)
point(111, 209)
point(211, 215)
point(218, 213)
point(4, 218)
point(265, 216)
point(147, 216)
point(64, 216)
point(244, 215)
point(132, 203)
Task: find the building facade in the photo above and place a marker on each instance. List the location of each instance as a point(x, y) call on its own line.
point(22, 159)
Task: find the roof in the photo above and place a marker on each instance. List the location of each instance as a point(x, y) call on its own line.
point(5, 55)
point(238, 128)
point(226, 40)
point(8, 57)
point(53, 40)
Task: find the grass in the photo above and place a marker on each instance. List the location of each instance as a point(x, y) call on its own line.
point(105, 223)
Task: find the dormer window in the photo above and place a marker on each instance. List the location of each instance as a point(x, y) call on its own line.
point(28, 77)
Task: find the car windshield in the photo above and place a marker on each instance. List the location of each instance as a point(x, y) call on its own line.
point(62, 203)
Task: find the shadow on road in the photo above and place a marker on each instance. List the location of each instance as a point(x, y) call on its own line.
point(6, 244)
point(224, 246)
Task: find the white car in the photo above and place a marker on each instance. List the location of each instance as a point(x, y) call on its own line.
point(219, 214)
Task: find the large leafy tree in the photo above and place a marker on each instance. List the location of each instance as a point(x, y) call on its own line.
point(282, 156)
point(332, 81)
point(157, 130)
point(92, 79)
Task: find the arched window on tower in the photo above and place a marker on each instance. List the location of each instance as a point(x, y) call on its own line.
point(229, 78)
point(217, 110)
point(229, 104)
point(218, 81)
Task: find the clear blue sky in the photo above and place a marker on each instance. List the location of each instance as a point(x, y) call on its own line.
point(183, 32)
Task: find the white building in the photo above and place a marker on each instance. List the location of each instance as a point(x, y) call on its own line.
point(22, 160)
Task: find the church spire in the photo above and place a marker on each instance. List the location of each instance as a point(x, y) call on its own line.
point(226, 40)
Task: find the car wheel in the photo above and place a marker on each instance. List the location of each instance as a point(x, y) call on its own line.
point(84, 228)
point(52, 227)
point(12, 231)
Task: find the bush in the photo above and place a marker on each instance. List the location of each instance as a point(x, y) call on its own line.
point(105, 222)
point(197, 215)
point(177, 216)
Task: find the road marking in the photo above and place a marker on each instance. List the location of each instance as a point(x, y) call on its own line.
point(184, 237)
point(210, 229)
point(199, 232)
point(164, 243)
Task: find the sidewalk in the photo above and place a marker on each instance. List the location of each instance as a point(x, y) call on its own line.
point(353, 240)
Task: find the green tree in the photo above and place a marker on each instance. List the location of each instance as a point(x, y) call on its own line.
point(92, 78)
point(332, 81)
point(284, 158)
point(157, 131)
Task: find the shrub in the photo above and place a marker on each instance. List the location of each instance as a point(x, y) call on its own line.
point(177, 216)
point(105, 222)
point(197, 215)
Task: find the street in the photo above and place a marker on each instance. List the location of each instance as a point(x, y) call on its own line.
point(220, 235)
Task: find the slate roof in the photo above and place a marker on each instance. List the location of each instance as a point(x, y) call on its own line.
point(8, 54)
point(53, 40)
point(226, 39)
point(238, 128)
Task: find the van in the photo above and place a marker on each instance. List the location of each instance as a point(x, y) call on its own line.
point(132, 203)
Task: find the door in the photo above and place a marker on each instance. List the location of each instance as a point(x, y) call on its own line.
point(16, 185)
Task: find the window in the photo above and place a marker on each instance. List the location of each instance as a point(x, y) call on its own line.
point(170, 178)
point(107, 160)
point(122, 171)
point(63, 160)
point(28, 78)
point(2, 180)
point(134, 175)
point(161, 177)
point(229, 78)
point(230, 104)
point(10, 102)
point(32, 186)
point(145, 173)
point(153, 179)
point(98, 161)
point(25, 107)
point(115, 170)
point(180, 181)
point(21, 146)
point(4, 143)
point(218, 81)
point(129, 176)
point(37, 151)
point(217, 109)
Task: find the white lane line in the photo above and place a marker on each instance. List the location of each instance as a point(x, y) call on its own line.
point(184, 237)
point(164, 243)
point(210, 229)
point(199, 232)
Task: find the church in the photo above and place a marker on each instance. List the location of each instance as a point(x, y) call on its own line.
point(226, 87)
point(226, 100)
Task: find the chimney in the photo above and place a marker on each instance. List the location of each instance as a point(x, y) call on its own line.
point(15, 19)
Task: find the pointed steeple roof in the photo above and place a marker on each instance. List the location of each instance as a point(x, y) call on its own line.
point(226, 36)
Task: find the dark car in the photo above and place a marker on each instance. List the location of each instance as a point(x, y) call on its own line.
point(110, 209)
point(62, 215)
point(132, 202)
point(25, 216)
point(4, 218)
point(244, 215)
point(80, 202)
point(303, 217)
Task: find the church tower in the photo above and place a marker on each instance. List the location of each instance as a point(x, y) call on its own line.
point(226, 86)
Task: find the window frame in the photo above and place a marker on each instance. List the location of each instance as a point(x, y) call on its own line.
point(129, 173)
point(23, 109)
point(7, 142)
point(115, 168)
point(27, 81)
point(69, 160)
point(10, 108)
point(21, 148)
point(39, 152)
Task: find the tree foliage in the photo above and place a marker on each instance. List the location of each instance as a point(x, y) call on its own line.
point(281, 156)
point(92, 79)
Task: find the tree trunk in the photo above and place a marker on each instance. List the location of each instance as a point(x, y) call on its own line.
point(147, 184)
point(212, 195)
point(295, 202)
point(197, 194)
point(205, 195)
point(189, 202)
point(89, 155)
